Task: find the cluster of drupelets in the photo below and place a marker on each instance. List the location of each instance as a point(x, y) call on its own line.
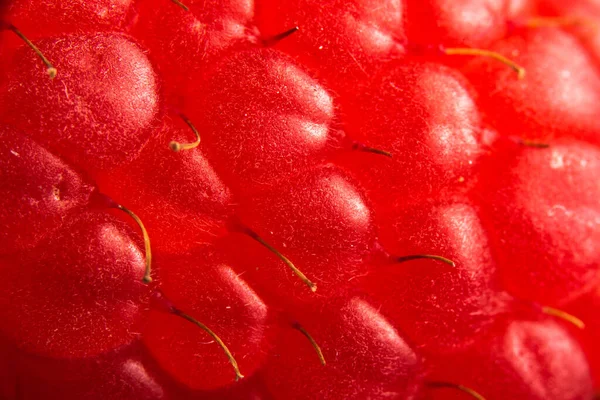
point(299, 199)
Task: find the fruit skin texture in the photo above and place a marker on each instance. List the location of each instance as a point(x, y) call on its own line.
point(522, 360)
point(446, 212)
point(367, 356)
point(37, 191)
point(438, 133)
point(226, 304)
point(184, 43)
point(41, 18)
point(347, 38)
point(440, 308)
point(565, 108)
point(276, 122)
point(100, 110)
point(189, 203)
point(55, 294)
point(542, 215)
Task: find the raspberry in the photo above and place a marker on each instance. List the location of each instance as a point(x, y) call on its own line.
point(298, 199)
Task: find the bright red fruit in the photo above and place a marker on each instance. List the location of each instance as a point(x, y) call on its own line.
point(178, 195)
point(43, 18)
point(99, 110)
point(321, 222)
point(338, 199)
point(123, 375)
point(586, 308)
point(451, 23)
point(542, 212)
point(364, 356)
point(578, 17)
point(346, 38)
point(202, 285)
point(183, 43)
point(520, 360)
point(440, 307)
point(560, 97)
point(425, 116)
point(262, 118)
point(77, 295)
point(37, 191)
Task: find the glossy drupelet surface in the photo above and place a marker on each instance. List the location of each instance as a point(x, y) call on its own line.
point(441, 215)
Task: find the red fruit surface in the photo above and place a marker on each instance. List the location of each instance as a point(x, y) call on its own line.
point(100, 109)
point(328, 232)
point(365, 356)
point(184, 43)
point(116, 376)
point(441, 308)
point(77, 295)
point(586, 308)
point(437, 132)
point(471, 23)
point(43, 18)
point(336, 199)
point(181, 199)
point(542, 212)
point(203, 286)
point(560, 97)
point(345, 38)
point(37, 191)
point(519, 360)
point(276, 120)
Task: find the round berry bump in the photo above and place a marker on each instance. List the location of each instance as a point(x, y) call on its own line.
point(78, 294)
point(365, 355)
point(263, 119)
point(320, 221)
point(566, 108)
point(439, 308)
point(520, 359)
point(462, 23)
point(100, 110)
point(541, 210)
point(342, 41)
point(50, 70)
point(184, 41)
point(179, 196)
point(38, 192)
point(580, 18)
point(426, 117)
point(211, 294)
